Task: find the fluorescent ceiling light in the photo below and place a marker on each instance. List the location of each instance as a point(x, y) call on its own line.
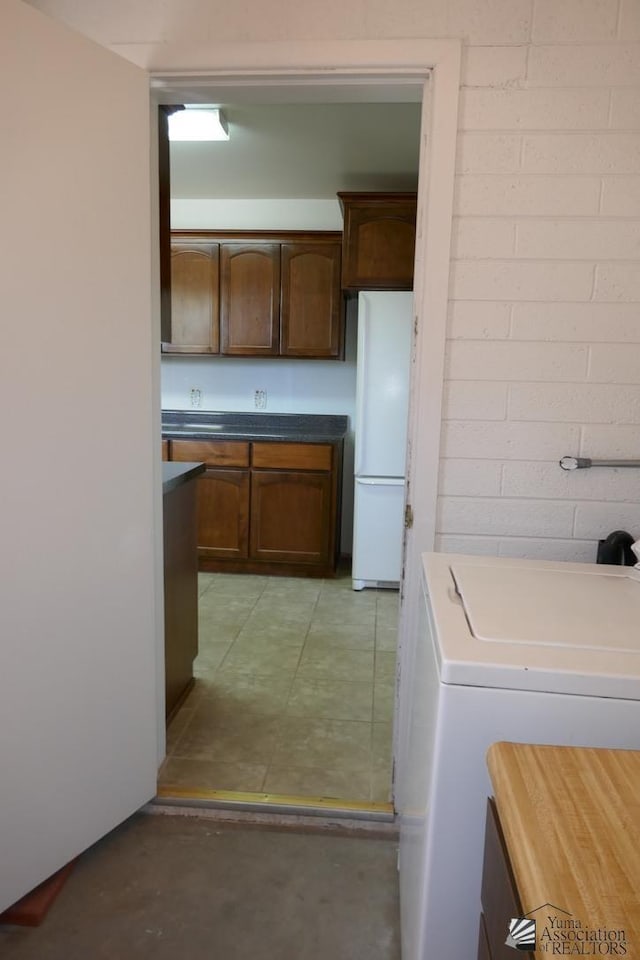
point(198, 123)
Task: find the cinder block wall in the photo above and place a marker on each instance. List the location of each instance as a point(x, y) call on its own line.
point(544, 338)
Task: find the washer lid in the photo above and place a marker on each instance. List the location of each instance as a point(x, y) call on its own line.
point(508, 604)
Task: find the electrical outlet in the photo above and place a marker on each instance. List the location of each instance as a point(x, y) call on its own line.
point(196, 397)
point(260, 399)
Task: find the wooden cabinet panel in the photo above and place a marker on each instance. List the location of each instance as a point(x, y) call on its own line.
point(165, 449)
point(223, 513)
point(378, 241)
point(499, 896)
point(291, 516)
point(194, 298)
point(292, 456)
point(180, 592)
point(215, 453)
point(483, 944)
point(311, 301)
point(250, 298)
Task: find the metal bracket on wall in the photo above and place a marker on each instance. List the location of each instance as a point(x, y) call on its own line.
point(583, 463)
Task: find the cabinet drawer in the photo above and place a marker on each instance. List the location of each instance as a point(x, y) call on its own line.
point(500, 900)
point(293, 456)
point(215, 453)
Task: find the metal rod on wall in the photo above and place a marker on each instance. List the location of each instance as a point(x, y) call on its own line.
point(583, 463)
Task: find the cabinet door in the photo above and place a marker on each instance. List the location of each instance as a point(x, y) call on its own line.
point(194, 298)
point(290, 516)
point(311, 304)
point(223, 513)
point(379, 242)
point(250, 298)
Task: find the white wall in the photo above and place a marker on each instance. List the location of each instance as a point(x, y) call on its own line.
point(544, 346)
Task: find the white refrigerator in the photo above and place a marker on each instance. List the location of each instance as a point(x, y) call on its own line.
point(385, 326)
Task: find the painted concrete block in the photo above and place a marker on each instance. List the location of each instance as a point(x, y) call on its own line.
point(593, 65)
point(574, 21)
point(581, 153)
point(523, 280)
point(575, 402)
point(583, 322)
point(536, 196)
point(533, 109)
point(474, 400)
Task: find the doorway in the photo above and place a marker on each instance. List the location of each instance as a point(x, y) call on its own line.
point(255, 591)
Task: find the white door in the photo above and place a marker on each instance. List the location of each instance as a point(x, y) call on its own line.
point(77, 593)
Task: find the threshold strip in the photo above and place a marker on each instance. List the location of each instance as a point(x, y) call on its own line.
point(276, 803)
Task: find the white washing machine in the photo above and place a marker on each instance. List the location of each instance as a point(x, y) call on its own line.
point(528, 651)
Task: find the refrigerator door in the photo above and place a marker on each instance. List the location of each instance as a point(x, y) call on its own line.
point(385, 325)
point(378, 531)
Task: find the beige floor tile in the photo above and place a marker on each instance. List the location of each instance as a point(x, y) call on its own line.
point(381, 786)
point(211, 775)
point(345, 636)
point(341, 585)
point(211, 631)
point(240, 693)
point(214, 609)
point(318, 782)
point(247, 739)
point(179, 724)
point(387, 614)
point(330, 700)
point(210, 657)
point(385, 665)
point(341, 613)
point(381, 745)
point(347, 665)
point(285, 607)
point(259, 632)
point(262, 661)
point(238, 586)
point(334, 744)
point(204, 582)
point(383, 701)
point(294, 588)
point(386, 639)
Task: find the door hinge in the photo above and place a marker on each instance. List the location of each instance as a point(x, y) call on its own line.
point(408, 517)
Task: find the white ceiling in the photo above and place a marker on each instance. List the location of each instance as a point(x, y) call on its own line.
point(302, 150)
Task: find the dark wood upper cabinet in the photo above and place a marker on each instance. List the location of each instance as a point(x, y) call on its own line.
point(249, 298)
point(194, 298)
point(378, 240)
point(311, 301)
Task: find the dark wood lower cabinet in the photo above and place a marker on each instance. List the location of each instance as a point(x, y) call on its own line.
point(500, 900)
point(483, 944)
point(180, 592)
point(290, 516)
point(223, 513)
point(266, 506)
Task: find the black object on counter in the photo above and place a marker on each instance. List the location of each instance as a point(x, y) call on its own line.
point(616, 549)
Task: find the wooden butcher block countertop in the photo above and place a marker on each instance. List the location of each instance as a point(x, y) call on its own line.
point(571, 822)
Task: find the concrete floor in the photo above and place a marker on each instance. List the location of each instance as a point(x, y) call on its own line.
point(173, 887)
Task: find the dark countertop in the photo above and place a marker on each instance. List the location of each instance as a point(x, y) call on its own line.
point(175, 473)
point(300, 427)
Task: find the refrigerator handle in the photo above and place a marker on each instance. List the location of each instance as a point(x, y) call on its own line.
point(381, 481)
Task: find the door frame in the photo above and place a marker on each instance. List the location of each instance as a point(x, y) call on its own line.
point(435, 64)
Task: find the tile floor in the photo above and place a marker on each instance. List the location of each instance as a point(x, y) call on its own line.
point(293, 692)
